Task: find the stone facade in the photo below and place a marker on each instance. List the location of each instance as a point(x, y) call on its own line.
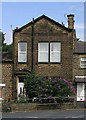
point(77, 70)
point(7, 79)
point(45, 30)
point(79, 53)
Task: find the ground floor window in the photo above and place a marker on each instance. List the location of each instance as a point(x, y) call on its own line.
point(80, 91)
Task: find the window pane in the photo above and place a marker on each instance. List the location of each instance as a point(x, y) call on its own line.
point(22, 57)
point(43, 46)
point(43, 52)
point(55, 52)
point(55, 57)
point(43, 57)
point(22, 52)
point(83, 59)
point(55, 46)
point(22, 46)
point(83, 63)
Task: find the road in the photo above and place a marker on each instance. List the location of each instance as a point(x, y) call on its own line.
point(47, 114)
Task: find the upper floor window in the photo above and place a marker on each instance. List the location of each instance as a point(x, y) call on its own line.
point(43, 51)
point(83, 62)
point(55, 52)
point(22, 52)
point(49, 52)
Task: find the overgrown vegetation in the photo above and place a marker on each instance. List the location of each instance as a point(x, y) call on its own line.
point(6, 106)
point(1, 40)
point(41, 87)
point(4, 47)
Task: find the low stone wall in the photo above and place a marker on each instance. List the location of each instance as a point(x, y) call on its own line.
point(34, 106)
point(14, 107)
point(81, 104)
point(23, 107)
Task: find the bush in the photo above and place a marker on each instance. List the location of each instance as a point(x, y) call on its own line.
point(6, 106)
point(45, 87)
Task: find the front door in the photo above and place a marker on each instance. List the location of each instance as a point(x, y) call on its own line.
point(80, 91)
point(20, 88)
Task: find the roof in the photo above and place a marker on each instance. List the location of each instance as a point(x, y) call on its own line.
point(39, 18)
point(80, 48)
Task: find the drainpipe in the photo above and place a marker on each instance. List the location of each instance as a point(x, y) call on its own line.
point(32, 44)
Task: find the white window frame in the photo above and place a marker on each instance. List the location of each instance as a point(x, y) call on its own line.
point(83, 62)
point(43, 52)
point(1, 85)
point(57, 52)
point(49, 52)
point(80, 91)
point(22, 54)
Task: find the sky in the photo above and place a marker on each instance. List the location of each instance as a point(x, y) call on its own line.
point(16, 14)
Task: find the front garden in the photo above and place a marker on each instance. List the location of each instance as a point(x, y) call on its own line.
point(44, 92)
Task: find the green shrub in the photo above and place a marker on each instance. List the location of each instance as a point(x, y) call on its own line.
point(6, 106)
point(41, 87)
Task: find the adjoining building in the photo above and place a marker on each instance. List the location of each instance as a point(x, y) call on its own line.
point(79, 69)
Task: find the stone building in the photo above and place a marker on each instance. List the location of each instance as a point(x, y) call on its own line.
point(79, 69)
point(46, 47)
point(7, 76)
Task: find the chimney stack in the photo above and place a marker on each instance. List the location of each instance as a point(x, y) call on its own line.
point(71, 21)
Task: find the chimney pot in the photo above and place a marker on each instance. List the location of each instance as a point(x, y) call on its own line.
point(16, 27)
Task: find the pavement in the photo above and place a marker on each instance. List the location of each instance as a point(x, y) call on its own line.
point(49, 114)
